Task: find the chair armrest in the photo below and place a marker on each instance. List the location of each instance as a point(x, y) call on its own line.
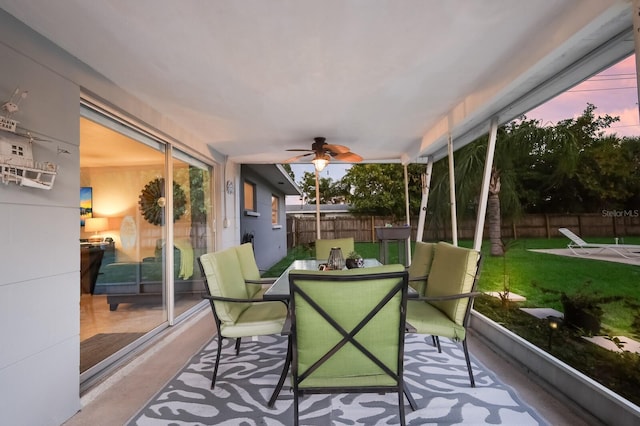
point(234, 300)
point(286, 327)
point(422, 278)
point(449, 297)
point(261, 281)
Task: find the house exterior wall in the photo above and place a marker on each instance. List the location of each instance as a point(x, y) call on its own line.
point(40, 229)
point(270, 243)
point(39, 255)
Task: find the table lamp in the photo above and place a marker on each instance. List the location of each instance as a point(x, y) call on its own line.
point(95, 225)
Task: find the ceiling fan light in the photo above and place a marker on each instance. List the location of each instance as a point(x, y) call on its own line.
point(320, 162)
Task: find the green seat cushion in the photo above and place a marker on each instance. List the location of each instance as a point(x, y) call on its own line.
point(421, 265)
point(249, 268)
point(348, 302)
point(427, 319)
point(250, 271)
point(224, 279)
point(453, 271)
point(323, 247)
point(258, 319)
point(247, 261)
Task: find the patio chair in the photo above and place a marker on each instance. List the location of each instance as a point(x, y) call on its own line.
point(445, 308)
point(347, 332)
point(323, 247)
point(420, 266)
point(580, 247)
point(236, 315)
point(250, 272)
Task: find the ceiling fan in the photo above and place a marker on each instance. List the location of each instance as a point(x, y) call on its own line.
point(323, 152)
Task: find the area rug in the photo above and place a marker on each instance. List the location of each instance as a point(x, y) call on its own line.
point(102, 345)
point(438, 382)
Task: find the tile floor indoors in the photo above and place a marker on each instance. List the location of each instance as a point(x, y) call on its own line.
point(119, 397)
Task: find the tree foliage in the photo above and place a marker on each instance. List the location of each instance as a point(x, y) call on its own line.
point(331, 192)
point(378, 189)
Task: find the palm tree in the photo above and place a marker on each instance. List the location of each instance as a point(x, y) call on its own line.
point(516, 146)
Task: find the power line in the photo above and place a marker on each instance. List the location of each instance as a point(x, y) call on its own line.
point(601, 90)
point(611, 75)
point(609, 79)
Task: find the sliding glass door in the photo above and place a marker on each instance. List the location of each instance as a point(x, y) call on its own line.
point(145, 217)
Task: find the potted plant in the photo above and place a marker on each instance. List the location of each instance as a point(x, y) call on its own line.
point(354, 260)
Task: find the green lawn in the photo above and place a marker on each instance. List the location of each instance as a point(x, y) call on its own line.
point(541, 277)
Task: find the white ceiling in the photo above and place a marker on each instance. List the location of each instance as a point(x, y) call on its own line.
point(390, 79)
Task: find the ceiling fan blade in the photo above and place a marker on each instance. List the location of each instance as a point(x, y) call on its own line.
point(296, 158)
point(349, 157)
point(335, 149)
point(299, 149)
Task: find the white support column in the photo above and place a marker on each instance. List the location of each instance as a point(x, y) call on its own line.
point(452, 193)
point(317, 205)
point(426, 185)
point(408, 214)
point(636, 39)
point(484, 191)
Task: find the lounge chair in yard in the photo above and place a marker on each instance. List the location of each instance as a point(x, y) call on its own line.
point(580, 247)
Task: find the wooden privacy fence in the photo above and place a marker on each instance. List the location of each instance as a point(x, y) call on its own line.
point(615, 223)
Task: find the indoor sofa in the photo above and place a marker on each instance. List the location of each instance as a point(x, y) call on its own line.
point(141, 282)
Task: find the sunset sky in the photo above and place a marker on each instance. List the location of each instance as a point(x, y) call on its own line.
point(613, 92)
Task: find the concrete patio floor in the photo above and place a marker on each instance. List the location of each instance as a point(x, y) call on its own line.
point(119, 397)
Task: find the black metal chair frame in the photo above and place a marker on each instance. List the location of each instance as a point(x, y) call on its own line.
point(217, 321)
point(349, 337)
point(467, 315)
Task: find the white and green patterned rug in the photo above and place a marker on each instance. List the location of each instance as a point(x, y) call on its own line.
point(438, 382)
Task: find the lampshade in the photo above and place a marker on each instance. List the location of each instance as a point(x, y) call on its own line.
point(320, 162)
point(96, 224)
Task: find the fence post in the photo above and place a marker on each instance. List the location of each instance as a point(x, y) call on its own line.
point(546, 225)
point(373, 228)
point(580, 225)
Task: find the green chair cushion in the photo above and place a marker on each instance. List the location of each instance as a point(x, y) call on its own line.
point(453, 271)
point(224, 279)
point(257, 319)
point(380, 335)
point(427, 319)
point(421, 265)
point(323, 247)
point(249, 269)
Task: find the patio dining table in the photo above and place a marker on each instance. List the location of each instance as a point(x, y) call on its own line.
point(279, 290)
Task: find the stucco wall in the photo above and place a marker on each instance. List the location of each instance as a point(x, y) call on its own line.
point(270, 243)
